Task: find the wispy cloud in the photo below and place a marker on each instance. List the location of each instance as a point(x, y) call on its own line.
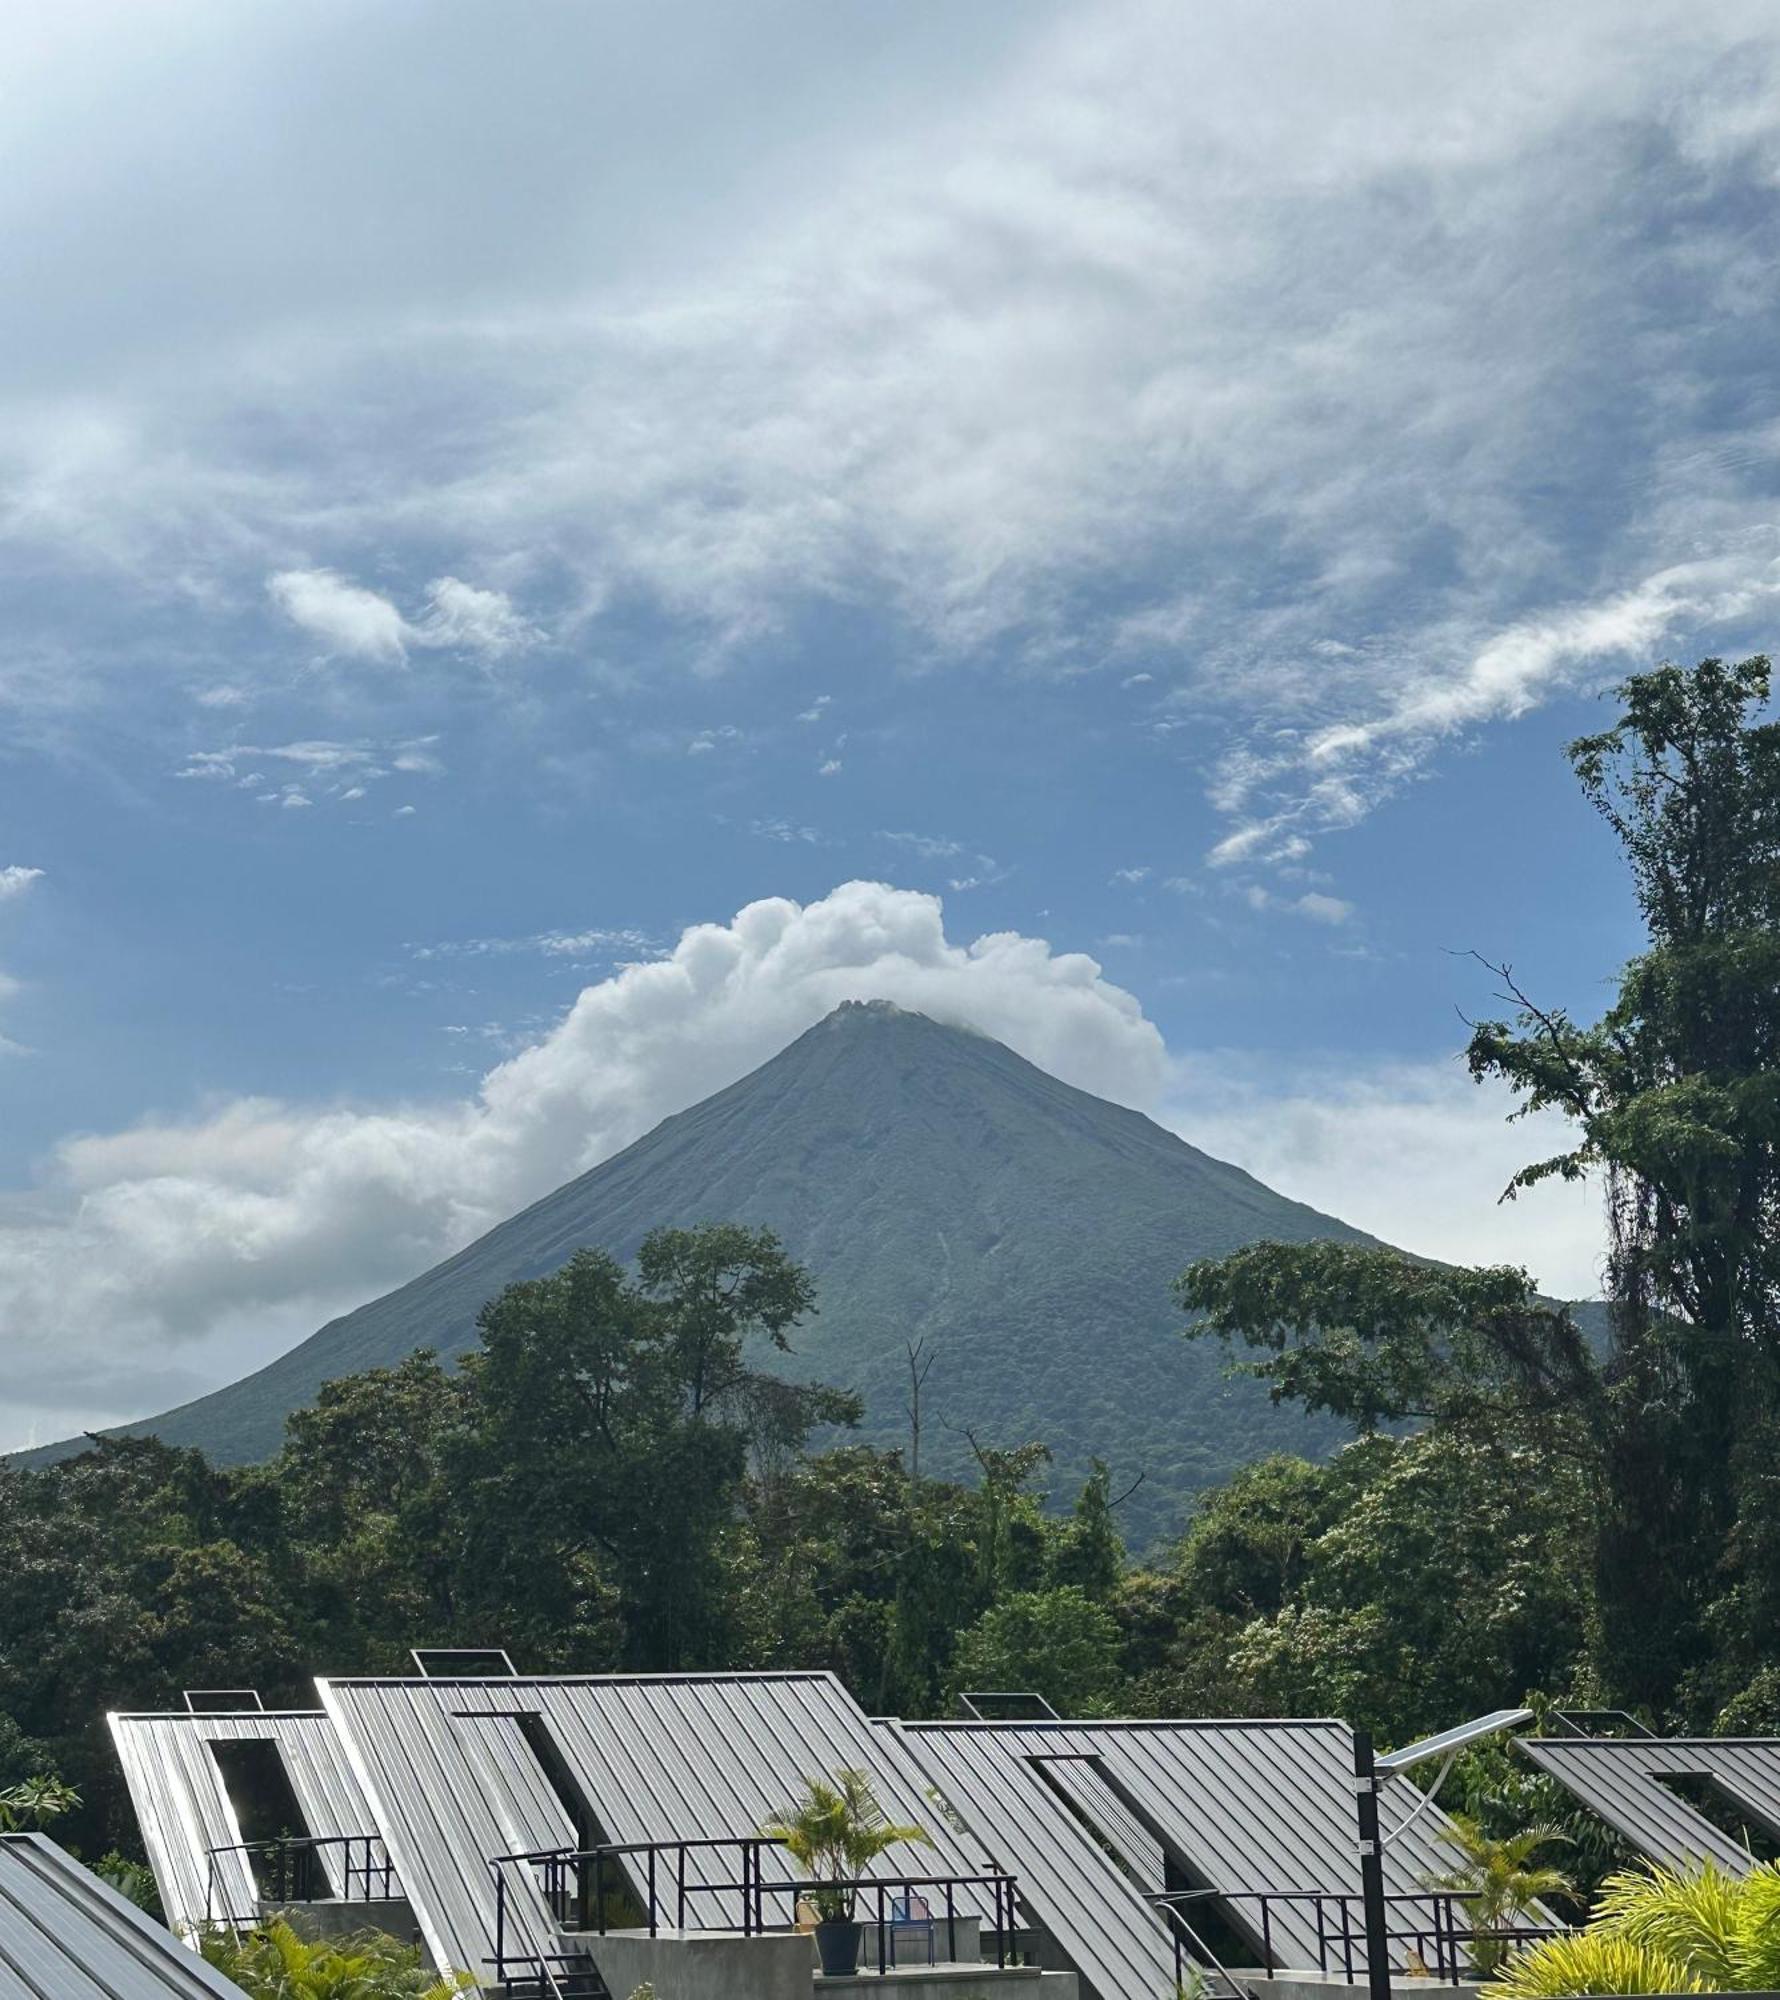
point(592, 943)
point(15, 880)
point(341, 771)
point(1310, 393)
point(358, 623)
point(1332, 776)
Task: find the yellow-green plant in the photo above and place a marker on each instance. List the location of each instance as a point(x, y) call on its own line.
point(1498, 1882)
point(1698, 1930)
point(274, 1963)
point(1695, 1918)
point(1591, 1962)
point(836, 1830)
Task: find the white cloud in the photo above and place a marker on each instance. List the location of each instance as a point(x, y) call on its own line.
point(929, 846)
point(15, 880)
point(344, 616)
point(547, 944)
point(1415, 1153)
point(174, 1231)
point(344, 770)
point(469, 620)
point(1295, 389)
point(1322, 909)
point(1335, 776)
point(361, 624)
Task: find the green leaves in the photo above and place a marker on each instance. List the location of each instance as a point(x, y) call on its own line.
point(1499, 1881)
point(836, 1831)
point(275, 1963)
point(1588, 1963)
point(1373, 1337)
point(1676, 1931)
point(30, 1805)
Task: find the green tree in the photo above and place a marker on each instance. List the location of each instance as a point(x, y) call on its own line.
point(1089, 1552)
point(274, 1963)
point(1056, 1643)
point(1675, 1101)
point(1674, 1097)
point(835, 1832)
point(612, 1420)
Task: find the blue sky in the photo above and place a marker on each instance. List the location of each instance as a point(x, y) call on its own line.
point(545, 546)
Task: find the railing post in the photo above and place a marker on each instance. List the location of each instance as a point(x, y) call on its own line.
point(500, 1922)
point(1267, 1934)
point(951, 1926)
point(651, 1891)
point(680, 1911)
point(880, 1930)
point(1322, 1945)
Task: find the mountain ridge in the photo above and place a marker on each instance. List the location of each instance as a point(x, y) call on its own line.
point(937, 1185)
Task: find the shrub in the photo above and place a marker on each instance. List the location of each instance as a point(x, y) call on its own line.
point(274, 1963)
point(1591, 1962)
point(1664, 1930)
point(131, 1879)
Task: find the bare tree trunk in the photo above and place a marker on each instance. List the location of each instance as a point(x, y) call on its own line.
point(919, 1363)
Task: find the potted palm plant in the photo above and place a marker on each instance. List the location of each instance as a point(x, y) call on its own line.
point(835, 1832)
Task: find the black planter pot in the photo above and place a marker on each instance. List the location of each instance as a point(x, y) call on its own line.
point(837, 1944)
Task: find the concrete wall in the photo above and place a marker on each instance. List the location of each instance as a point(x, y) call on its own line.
point(705, 1965)
point(315, 1921)
point(717, 1965)
point(953, 1982)
point(1315, 1985)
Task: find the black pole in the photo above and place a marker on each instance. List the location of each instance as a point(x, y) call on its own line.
point(1378, 1944)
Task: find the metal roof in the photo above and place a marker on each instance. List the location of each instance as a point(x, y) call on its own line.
point(1235, 1806)
point(452, 1780)
point(1069, 1884)
point(184, 1809)
point(65, 1935)
point(1621, 1779)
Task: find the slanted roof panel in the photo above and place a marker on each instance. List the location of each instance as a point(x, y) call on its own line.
point(65, 1935)
point(655, 1757)
point(183, 1807)
point(1238, 1806)
point(1620, 1778)
point(1067, 1882)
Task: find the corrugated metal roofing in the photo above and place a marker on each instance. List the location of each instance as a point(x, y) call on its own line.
point(1236, 1806)
point(1068, 1883)
point(1621, 1779)
point(657, 1758)
point(184, 1809)
point(65, 1935)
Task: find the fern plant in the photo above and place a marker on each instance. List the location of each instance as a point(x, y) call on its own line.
point(275, 1963)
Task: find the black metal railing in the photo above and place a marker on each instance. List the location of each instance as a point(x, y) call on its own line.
point(291, 1870)
point(1440, 1934)
point(650, 1881)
